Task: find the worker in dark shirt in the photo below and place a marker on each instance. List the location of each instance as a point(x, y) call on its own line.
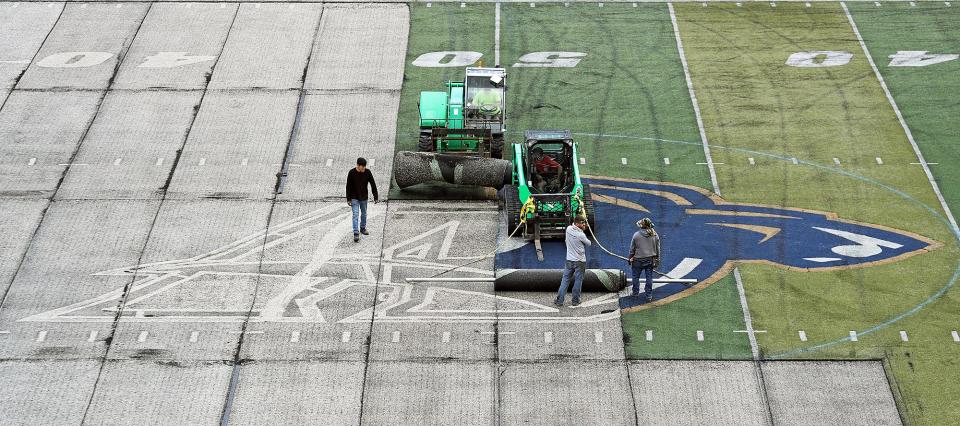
point(357, 180)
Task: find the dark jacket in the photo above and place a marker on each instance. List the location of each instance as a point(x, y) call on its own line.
point(357, 185)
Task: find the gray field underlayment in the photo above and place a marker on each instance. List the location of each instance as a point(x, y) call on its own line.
point(151, 274)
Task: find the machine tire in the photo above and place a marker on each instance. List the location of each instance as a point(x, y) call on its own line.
point(496, 146)
point(589, 207)
point(512, 206)
point(426, 142)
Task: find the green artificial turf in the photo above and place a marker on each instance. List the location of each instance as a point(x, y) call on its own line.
point(627, 98)
point(927, 370)
point(754, 106)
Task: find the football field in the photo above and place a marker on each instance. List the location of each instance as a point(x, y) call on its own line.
point(772, 104)
point(177, 250)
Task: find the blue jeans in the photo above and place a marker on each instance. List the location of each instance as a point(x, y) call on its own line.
point(359, 208)
point(574, 269)
point(643, 266)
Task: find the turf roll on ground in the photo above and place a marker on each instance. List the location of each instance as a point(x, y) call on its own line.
point(411, 168)
point(594, 280)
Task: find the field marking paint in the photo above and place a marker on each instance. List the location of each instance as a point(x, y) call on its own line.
point(807, 4)
point(693, 98)
point(4, 331)
point(598, 337)
point(41, 336)
point(803, 336)
point(32, 162)
point(836, 161)
point(396, 337)
point(903, 336)
point(244, 162)
point(345, 337)
point(956, 337)
point(699, 335)
point(913, 4)
point(748, 321)
point(547, 337)
point(533, 5)
point(876, 3)
point(879, 161)
point(202, 161)
point(496, 35)
point(329, 162)
point(117, 161)
point(583, 160)
point(445, 338)
point(623, 160)
point(853, 336)
point(142, 337)
point(649, 335)
point(428, 5)
point(159, 161)
point(294, 336)
point(752, 162)
point(795, 161)
point(194, 336)
point(928, 164)
point(903, 123)
point(463, 5)
point(666, 161)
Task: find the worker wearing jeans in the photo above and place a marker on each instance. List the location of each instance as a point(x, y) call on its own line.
point(576, 261)
point(644, 256)
point(357, 181)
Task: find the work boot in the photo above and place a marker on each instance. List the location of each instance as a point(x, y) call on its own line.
point(356, 238)
point(364, 231)
point(649, 298)
point(558, 302)
point(575, 303)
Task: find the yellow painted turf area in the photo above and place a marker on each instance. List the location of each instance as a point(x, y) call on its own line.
point(755, 105)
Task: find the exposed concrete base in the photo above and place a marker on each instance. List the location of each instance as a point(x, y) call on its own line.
point(830, 392)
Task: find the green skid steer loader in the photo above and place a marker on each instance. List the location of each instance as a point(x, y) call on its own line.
point(546, 192)
point(468, 118)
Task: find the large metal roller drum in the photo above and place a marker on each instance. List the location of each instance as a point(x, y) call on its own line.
point(411, 168)
point(594, 280)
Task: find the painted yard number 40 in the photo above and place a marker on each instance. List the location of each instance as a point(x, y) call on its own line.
point(533, 59)
point(831, 58)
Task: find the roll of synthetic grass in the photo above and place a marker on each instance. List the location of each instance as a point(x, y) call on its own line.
point(594, 280)
point(411, 168)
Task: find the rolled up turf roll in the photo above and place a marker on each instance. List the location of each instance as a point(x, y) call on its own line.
point(594, 280)
point(411, 168)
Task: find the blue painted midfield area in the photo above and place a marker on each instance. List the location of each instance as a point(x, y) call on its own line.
point(703, 236)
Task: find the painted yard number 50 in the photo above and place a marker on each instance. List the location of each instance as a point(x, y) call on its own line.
point(458, 58)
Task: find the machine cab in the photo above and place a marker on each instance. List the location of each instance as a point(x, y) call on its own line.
point(484, 93)
point(550, 161)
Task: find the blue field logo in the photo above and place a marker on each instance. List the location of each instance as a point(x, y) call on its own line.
point(704, 236)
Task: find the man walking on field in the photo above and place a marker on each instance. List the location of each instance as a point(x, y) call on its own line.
point(357, 180)
point(576, 262)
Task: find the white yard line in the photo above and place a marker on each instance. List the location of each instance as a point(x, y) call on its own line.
point(903, 123)
point(693, 98)
point(748, 321)
point(496, 35)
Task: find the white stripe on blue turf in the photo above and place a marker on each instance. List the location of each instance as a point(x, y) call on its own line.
point(747, 320)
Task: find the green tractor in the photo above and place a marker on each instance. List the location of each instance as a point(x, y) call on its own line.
point(468, 118)
point(546, 192)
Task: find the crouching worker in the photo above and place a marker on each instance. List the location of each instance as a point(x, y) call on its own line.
point(576, 262)
point(644, 256)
